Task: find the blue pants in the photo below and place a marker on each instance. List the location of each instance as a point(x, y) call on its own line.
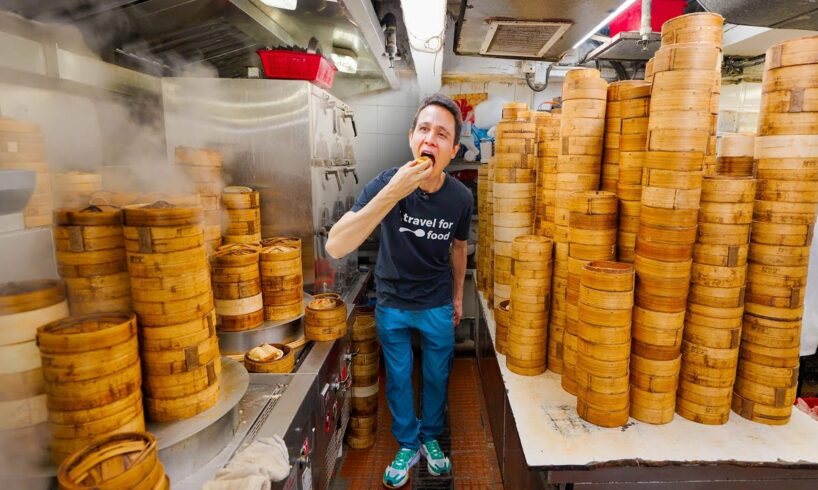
point(436, 328)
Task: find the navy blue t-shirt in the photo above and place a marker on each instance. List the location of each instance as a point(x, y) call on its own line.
point(414, 270)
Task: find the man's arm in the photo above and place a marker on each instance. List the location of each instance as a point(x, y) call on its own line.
point(352, 229)
point(459, 256)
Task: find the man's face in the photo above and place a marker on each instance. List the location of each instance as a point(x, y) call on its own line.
point(434, 136)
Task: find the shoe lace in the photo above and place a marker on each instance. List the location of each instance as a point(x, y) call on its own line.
point(402, 459)
point(433, 448)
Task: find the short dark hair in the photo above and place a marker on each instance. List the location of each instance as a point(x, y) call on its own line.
point(446, 103)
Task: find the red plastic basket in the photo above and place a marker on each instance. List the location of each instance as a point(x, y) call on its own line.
point(294, 65)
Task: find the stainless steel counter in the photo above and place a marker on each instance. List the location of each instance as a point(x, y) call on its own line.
point(309, 409)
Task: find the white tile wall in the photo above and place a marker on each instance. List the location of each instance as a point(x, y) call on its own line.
point(739, 105)
point(383, 119)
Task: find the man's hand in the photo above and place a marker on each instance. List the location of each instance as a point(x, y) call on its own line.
point(458, 311)
point(409, 177)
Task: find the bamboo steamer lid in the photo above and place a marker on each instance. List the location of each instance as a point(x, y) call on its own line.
point(702, 27)
point(803, 51)
point(240, 197)
point(89, 216)
point(86, 333)
point(160, 213)
point(760, 413)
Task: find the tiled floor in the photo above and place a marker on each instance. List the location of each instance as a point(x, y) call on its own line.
point(467, 440)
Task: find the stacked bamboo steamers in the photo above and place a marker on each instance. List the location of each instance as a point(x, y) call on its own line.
point(514, 165)
point(173, 301)
point(24, 307)
point(591, 236)
point(90, 250)
point(604, 342)
point(203, 166)
point(548, 135)
point(634, 106)
point(783, 219)
point(582, 128)
point(527, 333)
point(93, 379)
point(365, 365)
point(686, 72)
point(712, 328)
point(22, 148)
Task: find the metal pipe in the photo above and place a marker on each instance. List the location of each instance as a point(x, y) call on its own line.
point(645, 28)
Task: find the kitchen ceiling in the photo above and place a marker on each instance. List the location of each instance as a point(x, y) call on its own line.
point(478, 18)
point(174, 37)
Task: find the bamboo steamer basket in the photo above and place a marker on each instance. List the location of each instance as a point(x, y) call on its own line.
point(178, 336)
point(721, 255)
point(779, 255)
point(183, 384)
point(773, 337)
point(325, 324)
point(705, 396)
point(680, 161)
point(654, 383)
point(660, 368)
point(186, 358)
point(183, 407)
point(511, 110)
point(206, 157)
point(584, 109)
point(777, 397)
point(24, 307)
point(126, 460)
point(69, 438)
point(791, 53)
point(502, 320)
point(240, 197)
point(702, 414)
point(96, 392)
point(715, 338)
point(365, 400)
point(656, 414)
point(160, 213)
point(686, 56)
point(699, 28)
point(716, 297)
point(360, 442)
point(661, 217)
point(363, 328)
point(681, 100)
point(670, 179)
point(600, 417)
point(757, 412)
point(284, 364)
point(782, 357)
point(771, 376)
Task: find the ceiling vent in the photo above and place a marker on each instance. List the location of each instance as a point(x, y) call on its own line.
point(521, 38)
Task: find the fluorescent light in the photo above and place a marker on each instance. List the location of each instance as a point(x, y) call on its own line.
point(607, 20)
point(281, 4)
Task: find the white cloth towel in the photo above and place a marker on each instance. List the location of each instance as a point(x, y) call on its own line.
point(262, 462)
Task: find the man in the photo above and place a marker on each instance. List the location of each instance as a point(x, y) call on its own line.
point(424, 215)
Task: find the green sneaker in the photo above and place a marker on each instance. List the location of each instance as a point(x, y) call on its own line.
point(436, 461)
point(397, 473)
